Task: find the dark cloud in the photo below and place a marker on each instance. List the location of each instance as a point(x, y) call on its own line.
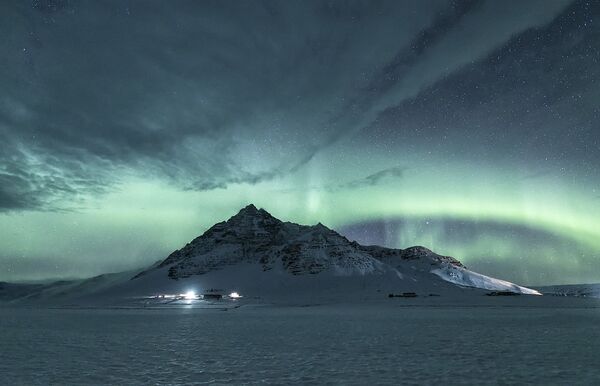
point(214, 93)
point(16, 193)
point(531, 104)
point(464, 34)
point(380, 177)
point(41, 181)
point(182, 92)
point(396, 172)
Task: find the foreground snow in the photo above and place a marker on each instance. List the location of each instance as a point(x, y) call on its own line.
point(573, 290)
point(350, 345)
point(276, 286)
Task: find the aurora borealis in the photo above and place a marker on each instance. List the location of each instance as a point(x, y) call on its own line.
point(471, 127)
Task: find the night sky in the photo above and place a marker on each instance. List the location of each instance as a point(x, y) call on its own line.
point(127, 128)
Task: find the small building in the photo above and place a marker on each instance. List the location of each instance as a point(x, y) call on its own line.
point(212, 296)
point(403, 295)
point(503, 293)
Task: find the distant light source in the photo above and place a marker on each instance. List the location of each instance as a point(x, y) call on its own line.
point(234, 295)
point(190, 295)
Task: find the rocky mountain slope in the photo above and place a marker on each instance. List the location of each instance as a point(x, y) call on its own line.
point(255, 237)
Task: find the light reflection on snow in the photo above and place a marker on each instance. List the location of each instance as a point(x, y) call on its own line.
point(191, 297)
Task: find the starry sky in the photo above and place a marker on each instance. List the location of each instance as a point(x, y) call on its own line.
point(127, 128)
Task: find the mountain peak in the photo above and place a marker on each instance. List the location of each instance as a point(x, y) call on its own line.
point(250, 208)
point(252, 212)
point(322, 228)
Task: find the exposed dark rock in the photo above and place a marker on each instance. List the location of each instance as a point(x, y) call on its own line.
point(254, 236)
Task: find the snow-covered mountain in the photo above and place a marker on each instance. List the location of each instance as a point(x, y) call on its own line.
point(255, 237)
point(280, 262)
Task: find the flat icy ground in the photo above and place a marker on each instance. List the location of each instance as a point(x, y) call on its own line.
point(401, 343)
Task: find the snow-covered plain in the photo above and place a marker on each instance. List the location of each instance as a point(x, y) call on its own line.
point(575, 290)
point(275, 286)
point(401, 343)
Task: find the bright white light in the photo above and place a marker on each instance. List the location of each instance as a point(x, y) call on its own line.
point(234, 295)
point(190, 295)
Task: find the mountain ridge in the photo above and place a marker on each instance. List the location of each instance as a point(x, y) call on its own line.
point(253, 236)
point(277, 262)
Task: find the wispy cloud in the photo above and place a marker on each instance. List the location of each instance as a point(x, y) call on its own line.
point(380, 177)
point(181, 92)
point(377, 178)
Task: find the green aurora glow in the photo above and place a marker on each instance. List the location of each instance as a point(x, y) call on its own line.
point(144, 221)
point(468, 127)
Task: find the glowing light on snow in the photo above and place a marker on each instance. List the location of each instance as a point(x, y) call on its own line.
point(190, 295)
point(234, 295)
